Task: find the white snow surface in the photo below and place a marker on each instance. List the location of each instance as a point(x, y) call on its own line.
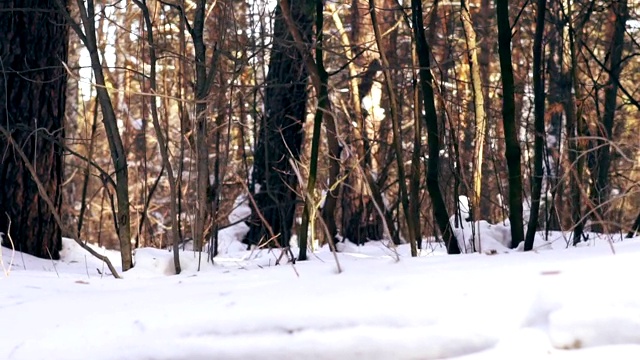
point(556, 302)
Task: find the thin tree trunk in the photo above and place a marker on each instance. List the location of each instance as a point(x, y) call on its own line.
point(33, 45)
point(162, 141)
point(512, 149)
point(319, 78)
point(323, 112)
point(397, 134)
point(414, 180)
point(487, 34)
point(635, 228)
point(325, 106)
point(538, 92)
point(600, 189)
point(86, 31)
point(203, 81)
point(478, 103)
point(559, 87)
point(431, 122)
point(574, 128)
point(87, 172)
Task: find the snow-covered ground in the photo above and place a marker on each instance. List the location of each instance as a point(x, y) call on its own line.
point(561, 303)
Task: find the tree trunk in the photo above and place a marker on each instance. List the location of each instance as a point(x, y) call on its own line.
point(280, 133)
point(323, 112)
point(574, 126)
point(33, 45)
point(538, 91)
point(203, 84)
point(512, 149)
point(478, 103)
point(487, 34)
point(559, 88)
point(415, 177)
point(635, 228)
point(600, 189)
point(397, 134)
point(431, 121)
point(360, 221)
point(162, 141)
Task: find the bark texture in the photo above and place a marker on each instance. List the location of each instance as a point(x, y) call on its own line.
point(280, 132)
point(538, 90)
point(512, 148)
point(33, 45)
point(431, 121)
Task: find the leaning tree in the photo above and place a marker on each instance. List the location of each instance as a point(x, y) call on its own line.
point(33, 46)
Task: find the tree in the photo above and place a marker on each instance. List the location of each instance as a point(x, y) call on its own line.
point(635, 228)
point(161, 139)
point(431, 121)
point(280, 132)
point(478, 103)
point(512, 149)
point(360, 220)
point(575, 128)
point(33, 46)
point(88, 34)
point(319, 78)
point(413, 235)
point(558, 89)
point(600, 171)
point(538, 90)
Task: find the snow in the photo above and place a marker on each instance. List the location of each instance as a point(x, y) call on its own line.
point(482, 236)
point(557, 302)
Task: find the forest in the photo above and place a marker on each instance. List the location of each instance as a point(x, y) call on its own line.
point(146, 123)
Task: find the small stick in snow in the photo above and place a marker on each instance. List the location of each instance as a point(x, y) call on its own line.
point(265, 223)
point(55, 268)
point(7, 271)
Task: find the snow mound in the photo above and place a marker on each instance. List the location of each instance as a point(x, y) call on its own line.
point(569, 328)
point(482, 236)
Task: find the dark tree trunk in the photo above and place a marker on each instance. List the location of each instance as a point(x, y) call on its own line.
point(280, 133)
point(360, 221)
point(559, 87)
point(636, 228)
point(512, 148)
point(575, 127)
point(600, 172)
point(423, 51)
point(33, 45)
point(538, 90)
point(397, 134)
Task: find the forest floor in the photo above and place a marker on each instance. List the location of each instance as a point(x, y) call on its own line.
point(561, 302)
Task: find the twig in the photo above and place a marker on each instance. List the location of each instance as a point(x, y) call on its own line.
point(266, 224)
point(7, 271)
point(313, 214)
point(52, 262)
point(86, 267)
point(52, 208)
